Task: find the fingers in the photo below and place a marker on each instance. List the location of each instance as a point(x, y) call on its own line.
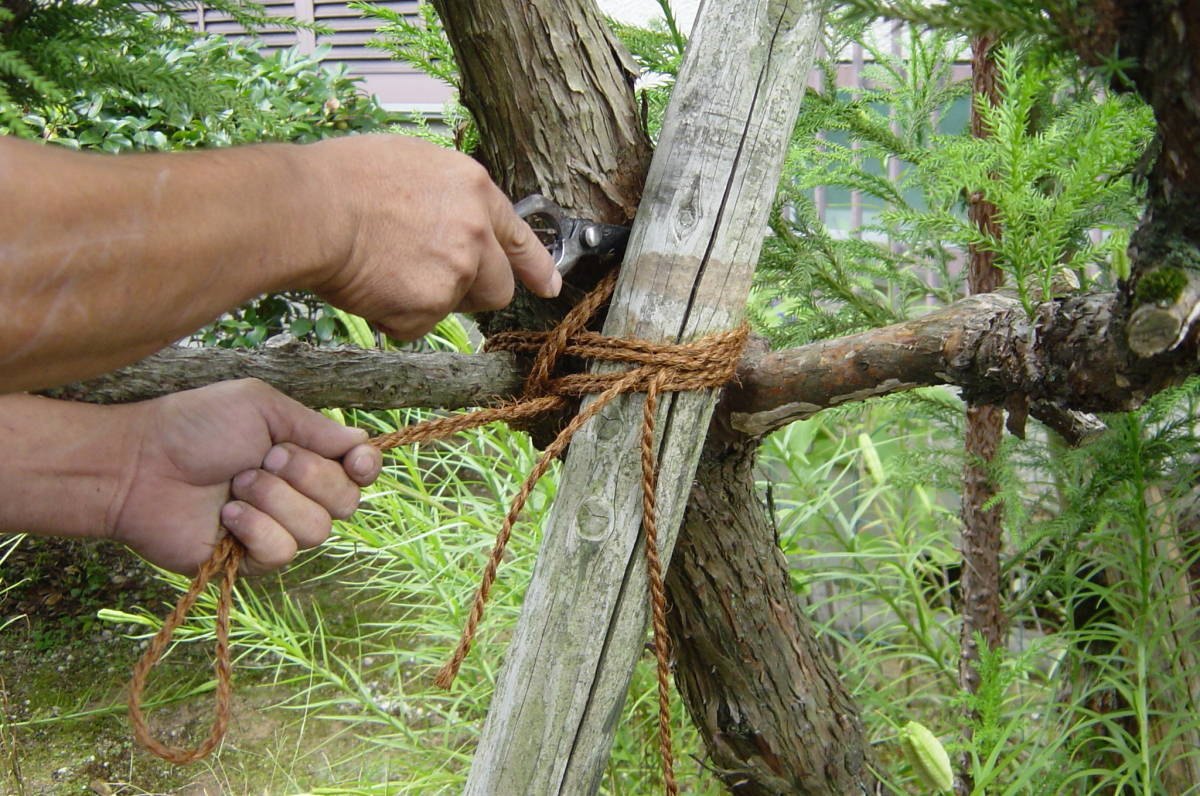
point(528, 258)
point(268, 545)
point(515, 250)
point(493, 285)
point(289, 504)
point(363, 464)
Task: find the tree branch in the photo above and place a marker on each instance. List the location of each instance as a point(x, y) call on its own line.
point(346, 377)
point(1068, 359)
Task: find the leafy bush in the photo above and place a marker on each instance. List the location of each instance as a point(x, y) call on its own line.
point(280, 96)
point(53, 49)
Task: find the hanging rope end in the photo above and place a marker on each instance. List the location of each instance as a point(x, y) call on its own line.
point(444, 679)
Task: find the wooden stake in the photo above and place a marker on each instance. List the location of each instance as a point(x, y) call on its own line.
point(687, 273)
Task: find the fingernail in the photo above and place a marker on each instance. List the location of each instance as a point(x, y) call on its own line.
point(245, 478)
point(555, 283)
point(275, 459)
point(231, 511)
point(363, 465)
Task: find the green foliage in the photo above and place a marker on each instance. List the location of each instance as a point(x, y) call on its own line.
point(63, 47)
point(1055, 29)
point(1057, 167)
point(864, 494)
point(1009, 18)
point(282, 96)
point(814, 282)
point(657, 48)
point(1098, 692)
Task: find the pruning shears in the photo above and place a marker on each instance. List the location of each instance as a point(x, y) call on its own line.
point(568, 239)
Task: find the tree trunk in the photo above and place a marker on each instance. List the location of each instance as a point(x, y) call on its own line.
point(770, 706)
point(982, 534)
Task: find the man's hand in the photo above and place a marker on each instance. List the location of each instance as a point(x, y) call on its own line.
point(123, 255)
point(289, 470)
point(164, 475)
point(432, 234)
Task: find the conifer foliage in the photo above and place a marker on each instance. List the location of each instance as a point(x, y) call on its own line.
point(51, 50)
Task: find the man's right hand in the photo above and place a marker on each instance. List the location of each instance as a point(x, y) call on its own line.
point(425, 232)
point(121, 256)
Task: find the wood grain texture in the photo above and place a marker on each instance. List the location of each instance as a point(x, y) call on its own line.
point(687, 273)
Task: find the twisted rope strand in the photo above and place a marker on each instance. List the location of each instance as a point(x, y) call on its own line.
point(704, 364)
point(658, 598)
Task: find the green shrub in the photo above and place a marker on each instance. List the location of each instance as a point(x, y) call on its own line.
point(281, 96)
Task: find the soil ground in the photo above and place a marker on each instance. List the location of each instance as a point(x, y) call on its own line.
point(63, 673)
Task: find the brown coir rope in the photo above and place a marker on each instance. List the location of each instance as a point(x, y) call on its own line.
point(707, 363)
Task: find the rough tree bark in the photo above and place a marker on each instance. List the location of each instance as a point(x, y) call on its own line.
point(775, 718)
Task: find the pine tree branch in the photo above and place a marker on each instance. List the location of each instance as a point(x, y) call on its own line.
point(1062, 362)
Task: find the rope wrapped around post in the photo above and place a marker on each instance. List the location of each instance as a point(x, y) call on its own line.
point(707, 363)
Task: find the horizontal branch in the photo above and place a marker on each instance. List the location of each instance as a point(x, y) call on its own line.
point(1060, 364)
point(346, 377)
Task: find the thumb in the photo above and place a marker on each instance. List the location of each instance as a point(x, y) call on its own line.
point(291, 421)
point(529, 259)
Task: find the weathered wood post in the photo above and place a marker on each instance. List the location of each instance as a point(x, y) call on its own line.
point(687, 273)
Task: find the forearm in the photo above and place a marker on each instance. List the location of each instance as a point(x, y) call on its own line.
point(66, 467)
point(108, 258)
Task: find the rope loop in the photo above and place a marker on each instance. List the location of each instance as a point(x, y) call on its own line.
point(707, 363)
point(226, 558)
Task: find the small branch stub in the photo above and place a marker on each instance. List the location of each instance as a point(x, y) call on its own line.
point(1169, 300)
